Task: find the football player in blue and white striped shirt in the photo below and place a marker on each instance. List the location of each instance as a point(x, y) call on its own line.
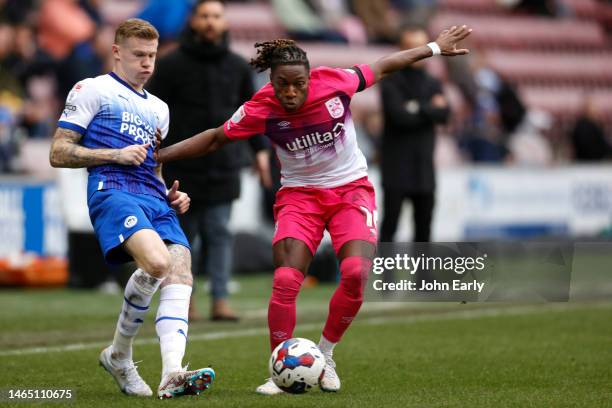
point(110, 125)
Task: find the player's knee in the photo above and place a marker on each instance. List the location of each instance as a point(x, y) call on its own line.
point(157, 264)
point(288, 277)
point(354, 275)
point(287, 283)
point(292, 253)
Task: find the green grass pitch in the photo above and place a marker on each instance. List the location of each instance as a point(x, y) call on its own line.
point(394, 355)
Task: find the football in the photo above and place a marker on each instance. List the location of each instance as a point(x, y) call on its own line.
point(296, 365)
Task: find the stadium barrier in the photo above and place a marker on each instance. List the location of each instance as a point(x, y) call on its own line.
point(472, 203)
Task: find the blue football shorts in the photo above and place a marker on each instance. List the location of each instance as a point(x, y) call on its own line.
point(116, 215)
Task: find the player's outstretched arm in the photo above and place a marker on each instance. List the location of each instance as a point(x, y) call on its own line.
point(66, 152)
point(196, 146)
point(447, 42)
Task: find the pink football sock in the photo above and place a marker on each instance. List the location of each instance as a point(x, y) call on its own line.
point(281, 310)
point(347, 298)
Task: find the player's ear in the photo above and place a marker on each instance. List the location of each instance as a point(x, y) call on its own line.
point(115, 49)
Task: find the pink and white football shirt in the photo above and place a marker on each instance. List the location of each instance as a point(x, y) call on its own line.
point(316, 145)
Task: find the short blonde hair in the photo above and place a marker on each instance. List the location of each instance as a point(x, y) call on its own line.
point(135, 27)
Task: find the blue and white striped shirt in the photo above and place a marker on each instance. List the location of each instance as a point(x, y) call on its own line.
point(110, 114)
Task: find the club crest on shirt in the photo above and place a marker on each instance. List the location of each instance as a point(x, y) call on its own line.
point(74, 92)
point(238, 115)
point(71, 96)
point(335, 107)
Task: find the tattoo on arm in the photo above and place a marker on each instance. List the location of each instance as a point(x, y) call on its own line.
point(180, 266)
point(66, 151)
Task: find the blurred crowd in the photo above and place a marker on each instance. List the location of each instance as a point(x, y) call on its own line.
point(48, 45)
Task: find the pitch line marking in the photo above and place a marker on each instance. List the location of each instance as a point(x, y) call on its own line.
point(368, 321)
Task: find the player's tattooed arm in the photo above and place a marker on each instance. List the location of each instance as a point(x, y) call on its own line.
point(67, 152)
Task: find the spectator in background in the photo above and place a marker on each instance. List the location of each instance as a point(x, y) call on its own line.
point(380, 21)
point(86, 60)
point(168, 17)
point(505, 130)
point(92, 8)
point(484, 138)
point(588, 137)
point(336, 14)
point(528, 144)
point(62, 25)
point(7, 50)
point(481, 139)
point(416, 11)
point(32, 105)
point(546, 8)
point(203, 82)
point(8, 142)
point(17, 11)
point(11, 100)
point(37, 73)
point(302, 21)
point(512, 111)
point(413, 103)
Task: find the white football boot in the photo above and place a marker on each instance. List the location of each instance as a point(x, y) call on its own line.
point(125, 374)
point(184, 382)
point(330, 382)
point(269, 388)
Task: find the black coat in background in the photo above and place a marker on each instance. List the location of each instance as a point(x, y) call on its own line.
point(409, 135)
point(203, 85)
point(589, 141)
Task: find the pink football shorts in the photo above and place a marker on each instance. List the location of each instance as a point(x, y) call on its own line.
point(348, 212)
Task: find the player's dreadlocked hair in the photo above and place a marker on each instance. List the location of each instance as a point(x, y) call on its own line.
point(278, 52)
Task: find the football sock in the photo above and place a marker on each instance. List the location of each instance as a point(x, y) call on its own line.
point(281, 310)
point(171, 325)
point(137, 296)
point(347, 298)
point(326, 347)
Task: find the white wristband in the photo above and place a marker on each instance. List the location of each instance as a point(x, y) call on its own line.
point(435, 48)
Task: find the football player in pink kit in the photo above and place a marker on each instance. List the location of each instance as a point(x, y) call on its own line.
point(306, 115)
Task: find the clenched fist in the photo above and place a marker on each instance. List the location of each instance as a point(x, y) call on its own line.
point(133, 155)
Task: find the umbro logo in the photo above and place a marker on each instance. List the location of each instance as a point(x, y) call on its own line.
point(279, 334)
point(284, 124)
